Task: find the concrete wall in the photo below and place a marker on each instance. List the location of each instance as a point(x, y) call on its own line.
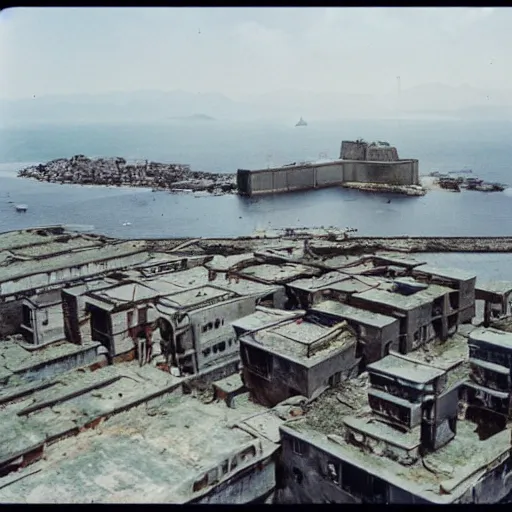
point(300, 177)
point(353, 150)
point(212, 327)
point(11, 316)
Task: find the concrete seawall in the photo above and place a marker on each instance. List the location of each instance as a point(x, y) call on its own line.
point(329, 174)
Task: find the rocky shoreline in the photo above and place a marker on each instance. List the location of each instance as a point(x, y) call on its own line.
point(81, 170)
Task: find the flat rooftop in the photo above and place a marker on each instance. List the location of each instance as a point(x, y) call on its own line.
point(193, 277)
point(149, 455)
point(302, 341)
point(244, 287)
point(398, 259)
point(315, 283)
point(355, 284)
point(27, 237)
point(127, 293)
point(282, 273)
point(19, 269)
point(224, 263)
point(57, 247)
point(497, 287)
point(446, 273)
point(405, 369)
point(492, 336)
point(196, 297)
point(332, 307)
point(263, 317)
point(404, 302)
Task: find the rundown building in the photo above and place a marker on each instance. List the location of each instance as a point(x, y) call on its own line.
point(487, 395)
point(424, 312)
point(392, 438)
point(462, 300)
point(297, 357)
point(377, 334)
point(41, 260)
point(304, 293)
point(496, 297)
point(277, 274)
point(42, 318)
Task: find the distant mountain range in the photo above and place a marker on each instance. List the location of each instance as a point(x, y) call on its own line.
point(438, 100)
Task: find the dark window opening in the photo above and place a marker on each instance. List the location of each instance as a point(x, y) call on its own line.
point(204, 328)
point(225, 467)
point(333, 472)
point(297, 475)
point(222, 346)
point(200, 484)
point(259, 361)
point(454, 300)
point(206, 352)
point(27, 316)
point(222, 321)
point(217, 323)
point(45, 319)
point(210, 326)
point(129, 318)
point(298, 446)
point(234, 463)
point(143, 316)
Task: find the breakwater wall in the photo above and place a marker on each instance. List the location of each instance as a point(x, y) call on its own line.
point(309, 176)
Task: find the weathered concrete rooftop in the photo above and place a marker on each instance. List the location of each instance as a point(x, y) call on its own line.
point(152, 454)
point(18, 269)
point(332, 307)
point(264, 317)
point(446, 273)
point(195, 297)
point(316, 283)
point(492, 336)
point(284, 273)
point(406, 370)
point(304, 342)
point(125, 294)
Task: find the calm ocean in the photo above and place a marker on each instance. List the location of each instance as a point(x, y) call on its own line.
point(214, 146)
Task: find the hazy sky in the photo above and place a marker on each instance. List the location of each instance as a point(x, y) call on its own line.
point(239, 51)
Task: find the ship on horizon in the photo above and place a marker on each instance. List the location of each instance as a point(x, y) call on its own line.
point(301, 122)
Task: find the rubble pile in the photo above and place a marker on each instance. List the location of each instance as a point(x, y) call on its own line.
point(117, 172)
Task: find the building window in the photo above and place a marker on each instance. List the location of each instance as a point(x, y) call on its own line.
point(259, 362)
point(297, 475)
point(206, 352)
point(210, 326)
point(298, 446)
point(225, 467)
point(222, 346)
point(204, 328)
point(27, 316)
point(143, 316)
point(217, 323)
point(333, 472)
point(200, 484)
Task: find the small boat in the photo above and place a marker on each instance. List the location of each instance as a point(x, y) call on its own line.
point(301, 122)
point(21, 207)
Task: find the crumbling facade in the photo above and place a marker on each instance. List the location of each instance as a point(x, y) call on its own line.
point(279, 375)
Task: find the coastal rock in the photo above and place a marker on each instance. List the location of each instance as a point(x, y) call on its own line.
point(115, 171)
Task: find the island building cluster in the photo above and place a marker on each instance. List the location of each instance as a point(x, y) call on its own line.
point(296, 373)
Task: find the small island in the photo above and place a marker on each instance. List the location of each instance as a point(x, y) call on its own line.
point(115, 171)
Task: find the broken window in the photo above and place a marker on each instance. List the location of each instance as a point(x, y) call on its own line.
point(298, 446)
point(200, 484)
point(247, 454)
point(297, 475)
point(143, 315)
point(27, 316)
point(259, 361)
point(333, 472)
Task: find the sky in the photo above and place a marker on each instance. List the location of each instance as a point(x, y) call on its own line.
point(246, 51)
